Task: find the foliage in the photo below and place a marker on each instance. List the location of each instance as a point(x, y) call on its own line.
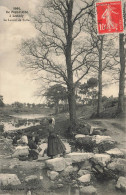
point(54, 94)
point(88, 90)
point(1, 101)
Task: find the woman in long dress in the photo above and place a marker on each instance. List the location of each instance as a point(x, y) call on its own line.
point(55, 145)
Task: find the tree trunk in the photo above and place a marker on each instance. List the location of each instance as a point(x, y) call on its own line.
point(70, 84)
point(122, 74)
point(72, 105)
point(99, 107)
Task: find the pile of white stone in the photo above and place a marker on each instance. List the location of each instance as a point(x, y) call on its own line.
point(85, 164)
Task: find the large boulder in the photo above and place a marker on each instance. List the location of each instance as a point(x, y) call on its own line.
point(52, 174)
point(115, 152)
point(101, 159)
point(56, 164)
point(88, 190)
point(118, 166)
point(121, 184)
point(20, 151)
point(85, 179)
point(79, 157)
point(70, 169)
point(103, 143)
point(9, 180)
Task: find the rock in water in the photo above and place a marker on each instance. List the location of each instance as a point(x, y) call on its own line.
point(121, 184)
point(56, 164)
point(88, 190)
point(9, 179)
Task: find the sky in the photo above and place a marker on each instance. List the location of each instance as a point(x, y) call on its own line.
point(15, 84)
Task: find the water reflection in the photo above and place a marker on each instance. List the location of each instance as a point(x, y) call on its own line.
point(22, 122)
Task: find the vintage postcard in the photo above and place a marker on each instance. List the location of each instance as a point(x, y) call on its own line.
point(62, 97)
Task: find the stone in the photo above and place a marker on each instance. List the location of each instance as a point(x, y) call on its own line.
point(82, 172)
point(20, 151)
point(9, 179)
point(56, 164)
point(88, 190)
point(121, 184)
point(68, 161)
point(123, 150)
point(103, 143)
point(42, 148)
point(30, 178)
point(99, 139)
point(52, 174)
point(70, 169)
point(29, 192)
point(79, 157)
point(67, 146)
point(115, 152)
point(97, 131)
point(86, 165)
point(85, 178)
point(98, 169)
point(118, 165)
point(101, 159)
point(79, 136)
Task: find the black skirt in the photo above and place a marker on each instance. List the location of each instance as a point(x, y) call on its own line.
point(55, 146)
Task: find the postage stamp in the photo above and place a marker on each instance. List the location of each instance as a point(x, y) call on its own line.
point(109, 17)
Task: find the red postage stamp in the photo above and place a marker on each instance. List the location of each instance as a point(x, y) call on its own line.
point(109, 17)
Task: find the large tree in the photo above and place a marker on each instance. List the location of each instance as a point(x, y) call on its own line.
point(122, 54)
point(104, 54)
point(122, 74)
point(60, 49)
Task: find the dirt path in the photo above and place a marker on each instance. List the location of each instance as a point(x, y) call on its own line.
point(116, 128)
